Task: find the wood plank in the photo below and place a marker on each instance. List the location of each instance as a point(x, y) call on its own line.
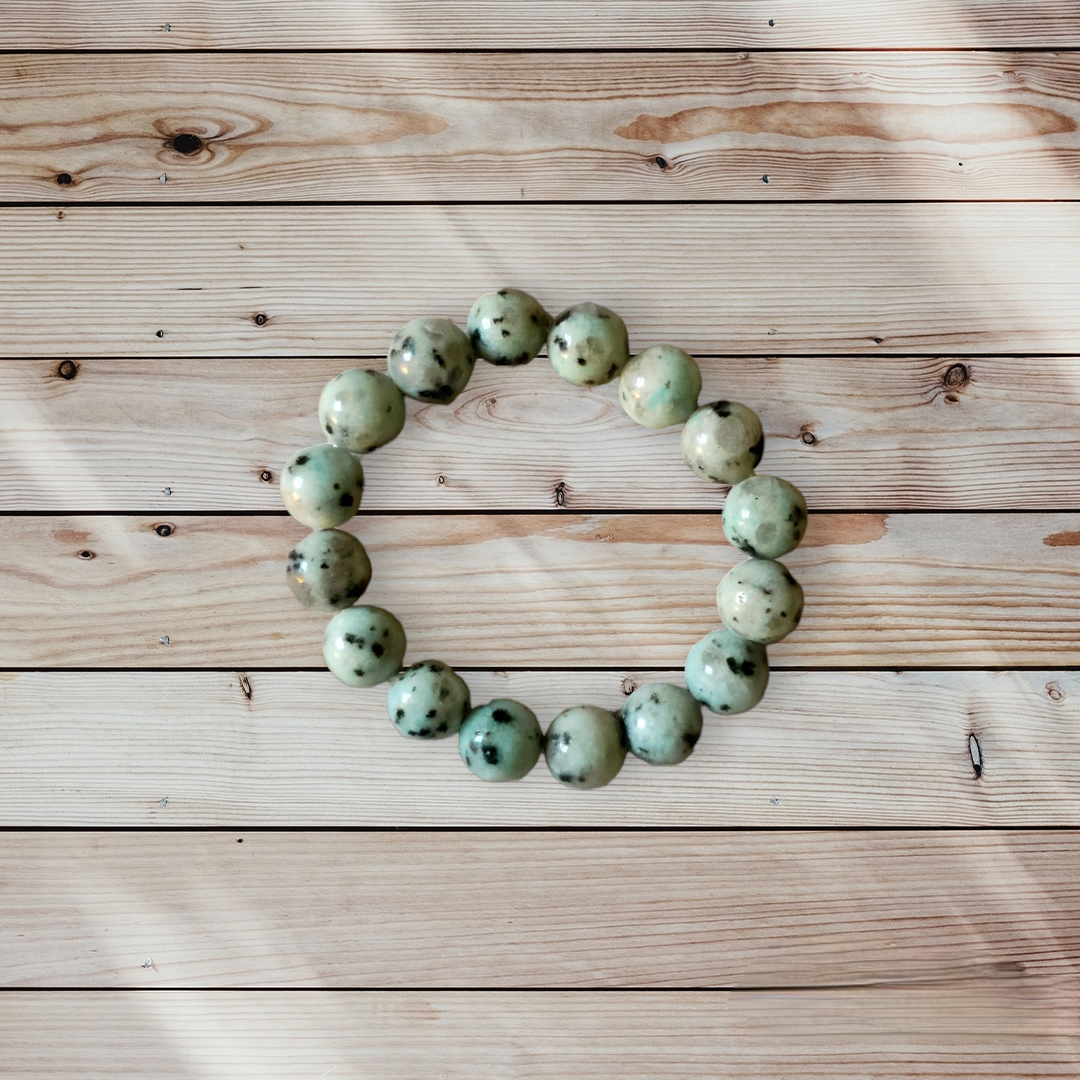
point(984, 432)
point(341, 280)
point(552, 24)
point(768, 126)
point(509, 591)
point(1026, 1024)
point(521, 909)
point(264, 748)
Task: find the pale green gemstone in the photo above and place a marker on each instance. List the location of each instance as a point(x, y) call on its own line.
point(726, 672)
point(663, 723)
point(501, 740)
point(364, 646)
point(508, 327)
point(760, 601)
point(723, 442)
point(360, 410)
point(660, 387)
point(328, 570)
point(585, 747)
point(431, 360)
point(428, 701)
point(588, 345)
point(765, 517)
point(321, 486)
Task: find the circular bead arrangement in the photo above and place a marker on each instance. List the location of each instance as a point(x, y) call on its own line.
point(432, 360)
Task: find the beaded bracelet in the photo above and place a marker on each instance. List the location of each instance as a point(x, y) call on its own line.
point(585, 746)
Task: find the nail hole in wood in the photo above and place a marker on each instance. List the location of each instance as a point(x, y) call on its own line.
point(160, 333)
point(186, 143)
point(68, 369)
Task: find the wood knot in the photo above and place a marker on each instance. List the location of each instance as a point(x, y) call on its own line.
point(259, 318)
point(245, 686)
point(64, 179)
point(163, 528)
point(86, 553)
point(266, 476)
point(68, 369)
point(1053, 691)
point(662, 163)
point(956, 377)
point(807, 436)
point(559, 493)
point(187, 143)
point(628, 685)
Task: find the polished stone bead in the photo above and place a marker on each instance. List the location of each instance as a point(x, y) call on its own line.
point(726, 672)
point(765, 517)
point(660, 387)
point(364, 646)
point(328, 570)
point(360, 410)
point(585, 746)
point(588, 345)
point(321, 486)
point(501, 740)
point(428, 701)
point(760, 601)
point(723, 442)
point(431, 360)
point(663, 723)
point(508, 327)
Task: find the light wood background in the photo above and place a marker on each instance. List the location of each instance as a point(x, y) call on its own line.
point(865, 222)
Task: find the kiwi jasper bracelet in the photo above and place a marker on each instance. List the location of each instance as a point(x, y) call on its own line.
point(431, 360)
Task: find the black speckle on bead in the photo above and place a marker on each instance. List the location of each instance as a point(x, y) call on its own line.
point(725, 708)
point(690, 738)
point(721, 408)
point(400, 714)
point(337, 487)
point(564, 739)
point(377, 649)
point(767, 592)
point(748, 668)
point(385, 633)
point(334, 601)
point(324, 566)
point(611, 370)
point(294, 554)
point(431, 713)
point(352, 639)
point(654, 698)
point(503, 292)
point(501, 716)
point(444, 693)
point(788, 578)
point(443, 727)
point(491, 754)
point(423, 732)
point(474, 337)
point(437, 357)
point(435, 666)
point(582, 778)
point(359, 672)
point(533, 319)
point(566, 778)
point(302, 459)
point(407, 345)
point(345, 500)
point(561, 343)
point(581, 360)
point(733, 664)
point(757, 450)
point(523, 358)
point(439, 393)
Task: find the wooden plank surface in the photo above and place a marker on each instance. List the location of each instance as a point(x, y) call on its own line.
point(290, 749)
point(455, 126)
point(544, 908)
point(341, 280)
point(541, 591)
point(552, 24)
point(1026, 1025)
point(851, 433)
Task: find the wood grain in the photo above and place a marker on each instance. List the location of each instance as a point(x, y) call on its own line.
point(766, 126)
point(1026, 1024)
point(852, 434)
point(341, 280)
point(290, 749)
point(512, 591)
point(453, 909)
point(552, 24)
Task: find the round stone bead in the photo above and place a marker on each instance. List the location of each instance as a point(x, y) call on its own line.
point(508, 327)
point(663, 723)
point(660, 387)
point(322, 485)
point(500, 740)
point(765, 517)
point(760, 601)
point(723, 442)
point(588, 345)
point(585, 747)
point(726, 672)
point(431, 360)
point(328, 570)
point(364, 646)
point(360, 410)
point(428, 701)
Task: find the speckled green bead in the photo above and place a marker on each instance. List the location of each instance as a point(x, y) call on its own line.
point(508, 327)
point(431, 360)
point(588, 345)
point(428, 701)
point(765, 517)
point(321, 486)
point(760, 601)
point(663, 723)
point(585, 747)
point(360, 410)
point(328, 570)
point(727, 673)
point(501, 740)
point(364, 646)
point(723, 442)
point(660, 387)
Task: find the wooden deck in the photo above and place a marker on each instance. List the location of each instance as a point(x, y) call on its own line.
point(864, 220)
